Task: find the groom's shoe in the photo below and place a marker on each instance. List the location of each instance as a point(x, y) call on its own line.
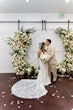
point(50, 84)
point(54, 83)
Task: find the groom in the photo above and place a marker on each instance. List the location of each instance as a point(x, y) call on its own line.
point(52, 61)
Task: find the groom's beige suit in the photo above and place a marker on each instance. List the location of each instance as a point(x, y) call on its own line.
point(52, 62)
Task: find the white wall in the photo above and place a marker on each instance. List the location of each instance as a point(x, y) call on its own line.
point(8, 29)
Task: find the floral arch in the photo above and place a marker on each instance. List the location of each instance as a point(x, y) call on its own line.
point(21, 43)
point(67, 65)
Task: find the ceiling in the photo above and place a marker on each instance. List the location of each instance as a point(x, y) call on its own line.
point(36, 6)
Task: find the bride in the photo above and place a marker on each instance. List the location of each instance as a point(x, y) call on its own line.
point(34, 88)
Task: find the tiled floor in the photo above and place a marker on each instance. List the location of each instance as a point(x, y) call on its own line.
point(59, 97)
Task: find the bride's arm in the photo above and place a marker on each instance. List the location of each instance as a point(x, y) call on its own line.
point(39, 53)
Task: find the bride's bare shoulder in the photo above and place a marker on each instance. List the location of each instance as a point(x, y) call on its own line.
point(39, 51)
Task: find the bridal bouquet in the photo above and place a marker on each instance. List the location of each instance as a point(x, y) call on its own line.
point(44, 57)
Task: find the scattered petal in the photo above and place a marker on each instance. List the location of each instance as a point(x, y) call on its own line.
point(63, 97)
point(11, 103)
point(30, 106)
point(9, 85)
point(53, 94)
point(3, 92)
point(41, 102)
point(19, 106)
point(4, 104)
point(18, 102)
point(21, 101)
point(56, 91)
point(58, 96)
point(54, 86)
point(72, 109)
point(71, 95)
point(3, 96)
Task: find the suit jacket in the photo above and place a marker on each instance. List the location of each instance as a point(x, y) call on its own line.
point(51, 52)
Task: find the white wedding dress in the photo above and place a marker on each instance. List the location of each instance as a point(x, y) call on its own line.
point(33, 88)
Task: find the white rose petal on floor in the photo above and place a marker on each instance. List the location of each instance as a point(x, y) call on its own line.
point(72, 96)
point(5, 105)
point(22, 102)
point(63, 97)
point(30, 106)
point(3, 96)
point(3, 92)
point(53, 94)
point(18, 102)
point(19, 106)
point(58, 96)
point(56, 91)
point(42, 102)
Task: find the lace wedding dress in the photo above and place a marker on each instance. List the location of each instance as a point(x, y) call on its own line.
point(30, 88)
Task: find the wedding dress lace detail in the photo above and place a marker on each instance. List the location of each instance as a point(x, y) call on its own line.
point(29, 88)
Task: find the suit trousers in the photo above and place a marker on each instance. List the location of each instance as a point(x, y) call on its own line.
point(52, 68)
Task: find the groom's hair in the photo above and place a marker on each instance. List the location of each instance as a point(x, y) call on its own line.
point(49, 40)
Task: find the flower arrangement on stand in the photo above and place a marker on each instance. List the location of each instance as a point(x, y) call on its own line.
point(31, 69)
point(20, 45)
point(67, 65)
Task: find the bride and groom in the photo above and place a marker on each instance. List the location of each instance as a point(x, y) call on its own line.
point(35, 88)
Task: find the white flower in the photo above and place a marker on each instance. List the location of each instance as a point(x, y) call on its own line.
point(19, 44)
point(44, 57)
point(67, 37)
point(28, 70)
